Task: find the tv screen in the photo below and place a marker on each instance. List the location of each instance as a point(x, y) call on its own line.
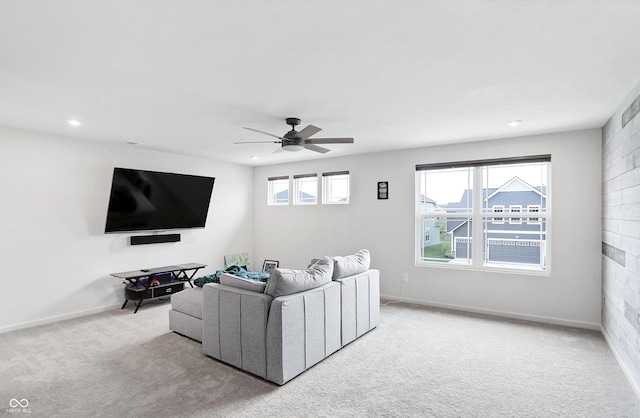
point(150, 200)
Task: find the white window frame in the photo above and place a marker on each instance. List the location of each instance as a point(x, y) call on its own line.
point(328, 184)
point(272, 182)
point(302, 179)
point(479, 217)
point(533, 209)
point(515, 209)
point(494, 209)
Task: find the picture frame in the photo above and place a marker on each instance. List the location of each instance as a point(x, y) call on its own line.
point(269, 265)
point(383, 190)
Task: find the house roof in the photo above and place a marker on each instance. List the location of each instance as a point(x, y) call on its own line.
point(185, 77)
point(514, 184)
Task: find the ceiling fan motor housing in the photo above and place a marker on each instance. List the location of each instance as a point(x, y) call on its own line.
point(293, 122)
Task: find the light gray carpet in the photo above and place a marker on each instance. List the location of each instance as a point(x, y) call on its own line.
point(418, 362)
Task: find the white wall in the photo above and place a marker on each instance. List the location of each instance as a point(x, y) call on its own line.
point(55, 256)
point(570, 295)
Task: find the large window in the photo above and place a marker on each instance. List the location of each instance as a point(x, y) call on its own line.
point(484, 214)
point(305, 188)
point(335, 187)
point(278, 190)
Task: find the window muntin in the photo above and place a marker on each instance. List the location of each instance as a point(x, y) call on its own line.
point(305, 189)
point(335, 188)
point(278, 190)
point(517, 239)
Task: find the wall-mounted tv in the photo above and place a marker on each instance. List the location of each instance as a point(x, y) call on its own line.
point(150, 200)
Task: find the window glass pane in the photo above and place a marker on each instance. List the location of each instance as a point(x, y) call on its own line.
point(446, 240)
point(278, 192)
point(335, 189)
point(306, 190)
point(515, 185)
point(521, 248)
point(511, 223)
point(449, 190)
point(517, 240)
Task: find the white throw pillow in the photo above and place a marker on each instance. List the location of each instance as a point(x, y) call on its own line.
point(349, 265)
point(286, 281)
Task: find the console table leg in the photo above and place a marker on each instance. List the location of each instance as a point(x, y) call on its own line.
point(125, 303)
point(138, 305)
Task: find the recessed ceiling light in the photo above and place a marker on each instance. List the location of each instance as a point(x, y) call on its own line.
point(255, 157)
point(74, 122)
point(514, 122)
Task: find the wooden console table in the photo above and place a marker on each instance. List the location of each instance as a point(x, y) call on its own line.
point(156, 282)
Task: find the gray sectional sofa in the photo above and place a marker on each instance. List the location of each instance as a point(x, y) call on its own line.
point(280, 329)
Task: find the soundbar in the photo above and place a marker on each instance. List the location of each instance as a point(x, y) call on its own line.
point(154, 239)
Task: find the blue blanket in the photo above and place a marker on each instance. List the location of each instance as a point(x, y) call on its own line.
point(239, 271)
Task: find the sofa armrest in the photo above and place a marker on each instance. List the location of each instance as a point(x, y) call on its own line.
point(360, 305)
point(234, 325)
point(303, 329)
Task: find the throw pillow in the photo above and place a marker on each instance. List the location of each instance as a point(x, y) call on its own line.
point(287, 281)
point(349, 265)
point(241, 283)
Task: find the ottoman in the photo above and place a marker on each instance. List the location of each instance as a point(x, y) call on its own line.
point(185, 316)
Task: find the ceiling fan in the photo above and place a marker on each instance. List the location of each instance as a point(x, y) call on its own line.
point(297, 140)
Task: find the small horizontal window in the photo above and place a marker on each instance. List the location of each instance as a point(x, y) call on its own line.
point(335, 187)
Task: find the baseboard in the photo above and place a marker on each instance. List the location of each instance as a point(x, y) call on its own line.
point(56, 318)
point(505, 314)
point(634, 385)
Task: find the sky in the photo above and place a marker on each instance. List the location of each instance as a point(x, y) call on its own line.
point(446, 186)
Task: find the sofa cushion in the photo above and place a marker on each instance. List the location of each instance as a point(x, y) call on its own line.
point(188, 301)
point(287, 281)
point(349, 265)
point(240, 283)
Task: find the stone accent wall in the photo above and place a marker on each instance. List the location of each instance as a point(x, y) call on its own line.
point(621, 232)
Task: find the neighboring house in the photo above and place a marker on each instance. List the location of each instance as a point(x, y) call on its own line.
point(430, 227)
point(283, 197)
point(508, 239)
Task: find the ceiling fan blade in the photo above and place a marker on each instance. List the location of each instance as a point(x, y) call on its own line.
point(330, 141)
point(263, 132)
point(258, 142)
point(308, 131)
point(316, 148)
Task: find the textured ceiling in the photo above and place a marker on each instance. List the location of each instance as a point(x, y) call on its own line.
point(186, 76)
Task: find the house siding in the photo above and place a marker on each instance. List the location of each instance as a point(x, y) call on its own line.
point(508, 240)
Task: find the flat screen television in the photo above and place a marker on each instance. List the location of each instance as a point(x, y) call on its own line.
point(150, 200)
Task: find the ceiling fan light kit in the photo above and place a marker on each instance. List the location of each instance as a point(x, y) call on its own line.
point(292, 147)
point(298, 140)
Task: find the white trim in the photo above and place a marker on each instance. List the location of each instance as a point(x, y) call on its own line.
point(57, 318)
point(504, 314)
point(634, 385)
point(514, 232)
point(513, 220)
point(497, 219)
point(508, 183)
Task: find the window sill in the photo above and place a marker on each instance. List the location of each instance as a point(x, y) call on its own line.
point(485, 269)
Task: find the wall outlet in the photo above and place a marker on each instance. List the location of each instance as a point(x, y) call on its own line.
point(405, 277)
